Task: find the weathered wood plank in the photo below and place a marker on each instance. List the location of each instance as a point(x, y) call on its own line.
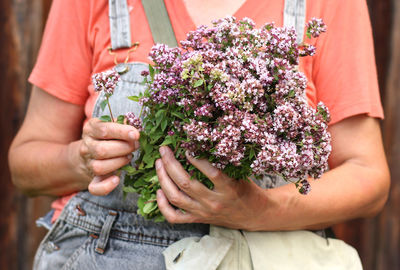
point(20, 31)
point(370, 236)
point(8, 77)
point(388, 244)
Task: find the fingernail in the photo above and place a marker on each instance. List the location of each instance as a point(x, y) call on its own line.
point(132, 135)
point(115, 180)
point(96, 179)
point(137, 145)
point(158, 164)
point(162, 151)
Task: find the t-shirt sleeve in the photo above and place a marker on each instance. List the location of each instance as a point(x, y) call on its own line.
point(63, 66)
point(344, 70)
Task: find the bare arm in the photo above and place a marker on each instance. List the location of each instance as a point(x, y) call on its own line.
point(356, 186)
point(52, 156)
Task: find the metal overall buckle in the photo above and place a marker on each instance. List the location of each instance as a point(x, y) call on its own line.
point(123, 68)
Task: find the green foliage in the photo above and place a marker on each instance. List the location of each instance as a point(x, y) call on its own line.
point(142, 177)
point(120, 119)
point(308, 34)
point(105, 118)
point(198, 83)
point(134, 98)
point(151, 71)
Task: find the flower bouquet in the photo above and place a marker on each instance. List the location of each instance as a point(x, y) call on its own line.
point(231, 94)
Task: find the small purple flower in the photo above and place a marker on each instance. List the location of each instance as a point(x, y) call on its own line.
point(134, 121)
point(307, 50)
point(305, 187)
point(205, 110)
point(145, 73)
point(170, 132)
point(106, 81)
point(315, 27)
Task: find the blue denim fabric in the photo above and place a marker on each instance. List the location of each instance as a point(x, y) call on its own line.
point(75, 240)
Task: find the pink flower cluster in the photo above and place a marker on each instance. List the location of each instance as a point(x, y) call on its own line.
point(315, 27)
point(105, 81)
point(134, 121)
point(243, 98)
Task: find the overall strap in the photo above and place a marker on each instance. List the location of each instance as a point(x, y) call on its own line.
point(294, 15)
point(159, 22)
point(120, 28)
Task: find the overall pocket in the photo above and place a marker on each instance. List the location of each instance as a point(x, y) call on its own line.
point(61, 246)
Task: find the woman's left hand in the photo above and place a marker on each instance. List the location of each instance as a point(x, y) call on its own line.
point(232, 203)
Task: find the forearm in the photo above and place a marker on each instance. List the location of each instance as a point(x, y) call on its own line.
point(47, 168)
point(349, 191)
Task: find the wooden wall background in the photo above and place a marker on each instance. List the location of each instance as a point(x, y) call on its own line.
point(21, 25)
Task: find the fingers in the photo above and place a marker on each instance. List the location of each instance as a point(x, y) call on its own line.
point(106, 130)
point(102, 185)
point(171, 214)
point(103, 167)
point(171, 190)
point(215, 175)
point(180, 177)
point(105, 149)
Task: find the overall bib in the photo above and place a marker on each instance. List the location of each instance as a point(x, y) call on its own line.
point(96, 232)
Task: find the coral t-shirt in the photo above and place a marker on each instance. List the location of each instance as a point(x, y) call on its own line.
point(342, 74)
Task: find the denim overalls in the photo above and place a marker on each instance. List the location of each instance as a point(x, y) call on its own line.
point(96, 232)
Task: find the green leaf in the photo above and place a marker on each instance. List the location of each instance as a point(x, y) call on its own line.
point(103, 104)
point(154, 179)
point(159, 116)
point(143, 139)
point(148, 176)
point(134, 98)
point(129, 189)
point(149, 207)
point(252, 153)
point(151, 71)
point(129, 169)
point(167, 141)
point(178, 114)
point(156, 136)
point(150, 159)
point(141, 202)
point(164, 124)
point(139, 184)
point(148, 148)
point(150, 156)
point(198, 83)
point(120, 119)
point(105, 118)
point(160, 113)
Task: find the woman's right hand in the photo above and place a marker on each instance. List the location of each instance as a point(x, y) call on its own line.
point(52, 155)
point(104, 148)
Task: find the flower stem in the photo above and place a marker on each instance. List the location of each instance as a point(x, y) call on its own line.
point(109, 108)
point(141, 111)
